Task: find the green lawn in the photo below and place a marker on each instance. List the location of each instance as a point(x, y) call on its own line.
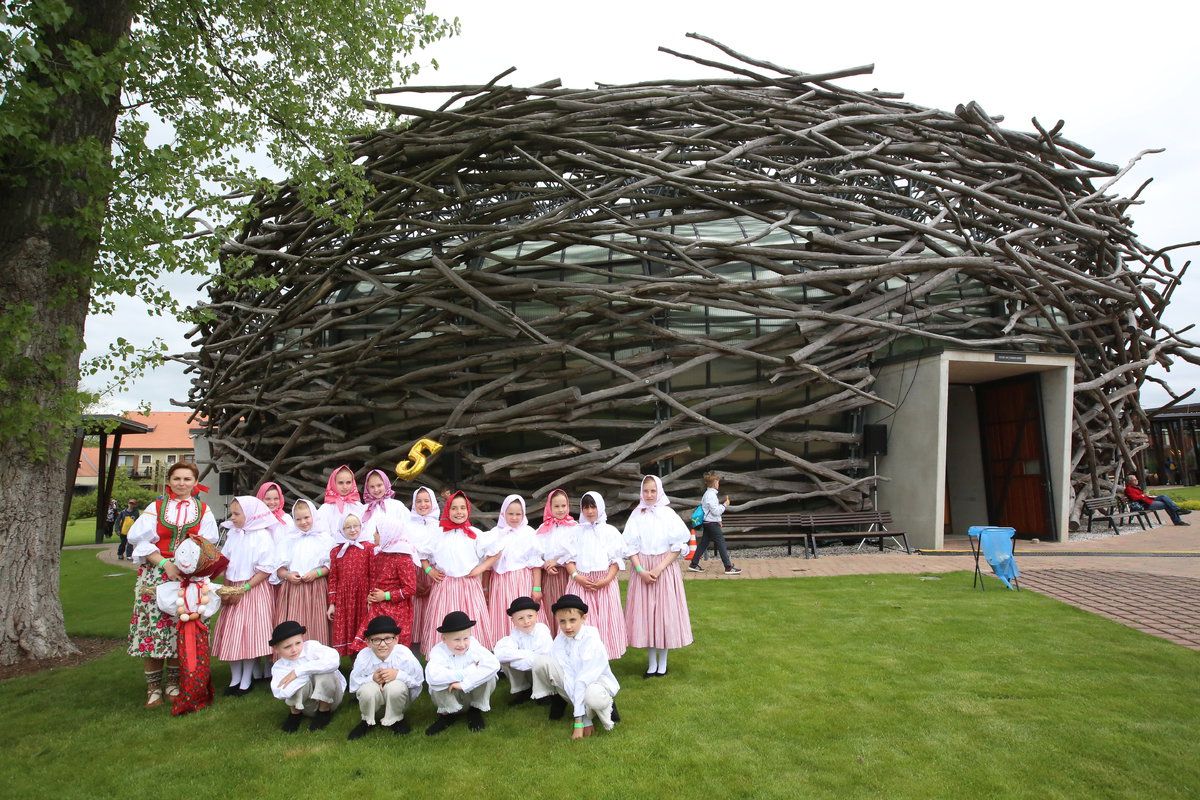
point(83, 531)
point(869, 686)
point(1186, 496)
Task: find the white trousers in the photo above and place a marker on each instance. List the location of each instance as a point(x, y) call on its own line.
point(597, 700)
point(521, 680)
point(391, 700)
point(452, 701)
point(320, 688)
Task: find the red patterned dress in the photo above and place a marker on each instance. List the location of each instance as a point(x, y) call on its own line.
point(350, 580)
point(395, 573)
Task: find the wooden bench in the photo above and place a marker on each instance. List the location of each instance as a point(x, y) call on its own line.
point(747, 526)
point(1112, 510)
point(866, 525)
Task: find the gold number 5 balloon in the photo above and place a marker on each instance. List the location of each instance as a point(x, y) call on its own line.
point(418, 459)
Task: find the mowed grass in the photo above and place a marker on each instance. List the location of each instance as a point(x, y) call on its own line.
point(869, 686)
point(83, 531)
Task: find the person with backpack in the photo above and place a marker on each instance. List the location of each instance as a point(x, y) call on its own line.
point(713, 509)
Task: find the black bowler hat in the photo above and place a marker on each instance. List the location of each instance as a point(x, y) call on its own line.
point(286, 630)
point(522, 604)
point(569, 601)
point(381, 624)
point(454, 622)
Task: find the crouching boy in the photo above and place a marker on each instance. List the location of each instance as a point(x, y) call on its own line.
point(305, 677)
point(578, 670)
point(386, 678)
point(460, 672)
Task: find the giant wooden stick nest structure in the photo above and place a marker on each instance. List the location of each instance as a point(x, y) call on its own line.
point(575, 286)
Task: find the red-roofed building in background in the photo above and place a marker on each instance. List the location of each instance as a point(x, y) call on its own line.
point(145, 457)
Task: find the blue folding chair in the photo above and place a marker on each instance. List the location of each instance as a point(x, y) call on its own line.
point(998, 546)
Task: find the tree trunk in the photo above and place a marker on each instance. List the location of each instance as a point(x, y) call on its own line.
point(51, 213)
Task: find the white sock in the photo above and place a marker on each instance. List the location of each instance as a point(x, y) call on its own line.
point(662, 660)
point(653, 667)
point(247, 673)
point(235, 670)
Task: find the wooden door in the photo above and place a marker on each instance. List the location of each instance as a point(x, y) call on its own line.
point(1015, 470)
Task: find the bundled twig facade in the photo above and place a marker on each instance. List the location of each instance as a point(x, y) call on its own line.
point(576, 286)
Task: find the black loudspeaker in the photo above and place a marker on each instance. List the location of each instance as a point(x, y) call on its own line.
point(225, 484)
point(874, 440)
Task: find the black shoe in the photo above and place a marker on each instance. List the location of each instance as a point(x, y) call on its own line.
point(360, 730)
point(440, 724)
point(616, 715)
point(520, 698)
point(292, 723)
point(558, 707)
point(662, 674)
point(233, 691)
point(320, 720)
point(401, 727)
point(1184, 512)
point(543, 701)
point(475, 719)
point(647, 674)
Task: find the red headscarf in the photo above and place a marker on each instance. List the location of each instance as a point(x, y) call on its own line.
point(261, 494)
point(332, 495)
point(464, 526)
point(376, 503)
point(548, 518)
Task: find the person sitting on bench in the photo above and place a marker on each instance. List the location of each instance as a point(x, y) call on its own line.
point(1140, 501)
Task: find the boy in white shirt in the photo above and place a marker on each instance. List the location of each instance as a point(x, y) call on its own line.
point(578, 670)
point(527, 643)
point(386, 678)
point(305, 676)
point(460, 671)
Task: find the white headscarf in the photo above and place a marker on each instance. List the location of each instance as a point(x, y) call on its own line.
point(340, 539)
point(502, 523)
point(434, 514)
point(318, 526)
point(662, 502)
point(393, 537)
point(601, 517)
point(258, 516)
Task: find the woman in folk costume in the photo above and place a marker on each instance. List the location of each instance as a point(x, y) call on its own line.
point(191, 601)
point(455, 560)
point(553, 535)
point(393, 578)
point(303, 569)
point(349, 583)
point(162, 527)
point(341, 498)
point(425, 519)
point(596, 550)
point(248, 612)
point(656, 610)
point(379, 503)
point(519, 569)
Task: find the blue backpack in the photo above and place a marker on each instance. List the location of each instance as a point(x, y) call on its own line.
point(698, 517)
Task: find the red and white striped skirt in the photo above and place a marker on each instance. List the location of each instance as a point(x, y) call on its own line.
point(505, 588)
point(656, 614)
point(305, 603)
point(420, 601)
point(244, 628)
point(553, 587)
point(456, 594)
point(604, 612)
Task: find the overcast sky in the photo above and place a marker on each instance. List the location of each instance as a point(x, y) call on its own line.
point(1124, 76)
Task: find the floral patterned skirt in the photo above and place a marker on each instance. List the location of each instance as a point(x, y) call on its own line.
point(151, 632)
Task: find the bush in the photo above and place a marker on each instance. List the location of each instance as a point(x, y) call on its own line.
point(84, 506)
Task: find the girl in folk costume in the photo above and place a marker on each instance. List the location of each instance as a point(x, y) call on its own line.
point(656, 611)
point(272, 496)
point(349, 582)
point(303, 567)
point(153, 539)
point(244, 627)
point(455, 559)
point(393, 578)
point(379, 503)
point(596, 550)
point(518, 571)
point(553, 535)
point(341, 498)
point(424, 522)
point(190, 601)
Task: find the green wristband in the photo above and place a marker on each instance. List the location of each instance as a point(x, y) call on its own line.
point(246, 586)
point(580, 725)
point(537, 588)
point(639, 568)
point(387, 596)
point(428, 570)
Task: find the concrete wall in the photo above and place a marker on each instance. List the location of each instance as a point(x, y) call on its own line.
point(1057, 409)
point(964, 461)
point(916, 462)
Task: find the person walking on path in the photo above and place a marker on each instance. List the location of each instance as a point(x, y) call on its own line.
point(714, 509)
point(1140, 501)
point(123, 523)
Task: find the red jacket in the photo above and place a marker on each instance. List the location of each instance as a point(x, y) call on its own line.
point(1137, 495)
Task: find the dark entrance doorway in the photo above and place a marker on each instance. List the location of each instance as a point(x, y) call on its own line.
point(1016, 473)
